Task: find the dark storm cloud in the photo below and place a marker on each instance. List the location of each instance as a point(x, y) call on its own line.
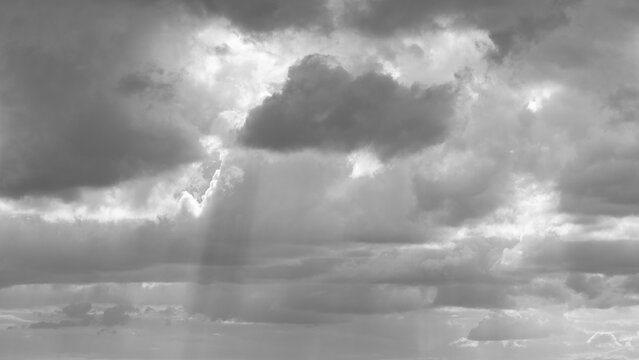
point(322, 106)
point(63, 122)
point(269, 15)
point(506, 21)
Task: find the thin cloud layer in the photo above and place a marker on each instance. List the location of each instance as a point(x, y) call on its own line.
point(323, 107)
point(609, 257)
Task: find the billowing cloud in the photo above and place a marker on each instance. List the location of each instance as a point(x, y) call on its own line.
point(514, 325)
point(324, 107)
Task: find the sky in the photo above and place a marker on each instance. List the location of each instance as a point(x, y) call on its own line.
point(319, 179)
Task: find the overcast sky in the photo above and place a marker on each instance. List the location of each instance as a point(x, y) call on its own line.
point(379, 179)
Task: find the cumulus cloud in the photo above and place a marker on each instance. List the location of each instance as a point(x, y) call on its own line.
point(63, 124)
point(324, 107)
point(513, 325)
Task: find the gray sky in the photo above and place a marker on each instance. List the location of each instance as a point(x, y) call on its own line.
point(458, 178)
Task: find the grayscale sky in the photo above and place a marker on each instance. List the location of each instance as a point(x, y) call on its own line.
point(319, 179)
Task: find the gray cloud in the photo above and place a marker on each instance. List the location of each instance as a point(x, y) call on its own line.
point(514, 326)
point(469, 192)
point(467, 262)
point(270, 15)
point(601, 180)
point(233, 230)
point(487, 296)
point(604, 339)
point(322, 106)
point(63, 125)
point(591, 285)
point(608, 257)
point(625, 102)
point(507, 22)
point(77, 310)
point(302, 302)
point(116, 315)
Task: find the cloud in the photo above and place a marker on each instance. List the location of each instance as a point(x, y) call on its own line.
point(590, 285)
point(323, 107)
point(507, 22)
point(63, 123)
point(313, 302)
point(115, 315)
point(600, 180)
point(625, 102)
point(604, 340)
point(467, 190)
point(514, 325)
point(271, 15)
point(464, 262)
point(257, 214)
point(486, 296)
point(77, 310)
point(608, 257)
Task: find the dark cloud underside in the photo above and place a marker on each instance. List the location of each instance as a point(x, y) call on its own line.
point(323, 107)
point(269, 15)
point(63, 124)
